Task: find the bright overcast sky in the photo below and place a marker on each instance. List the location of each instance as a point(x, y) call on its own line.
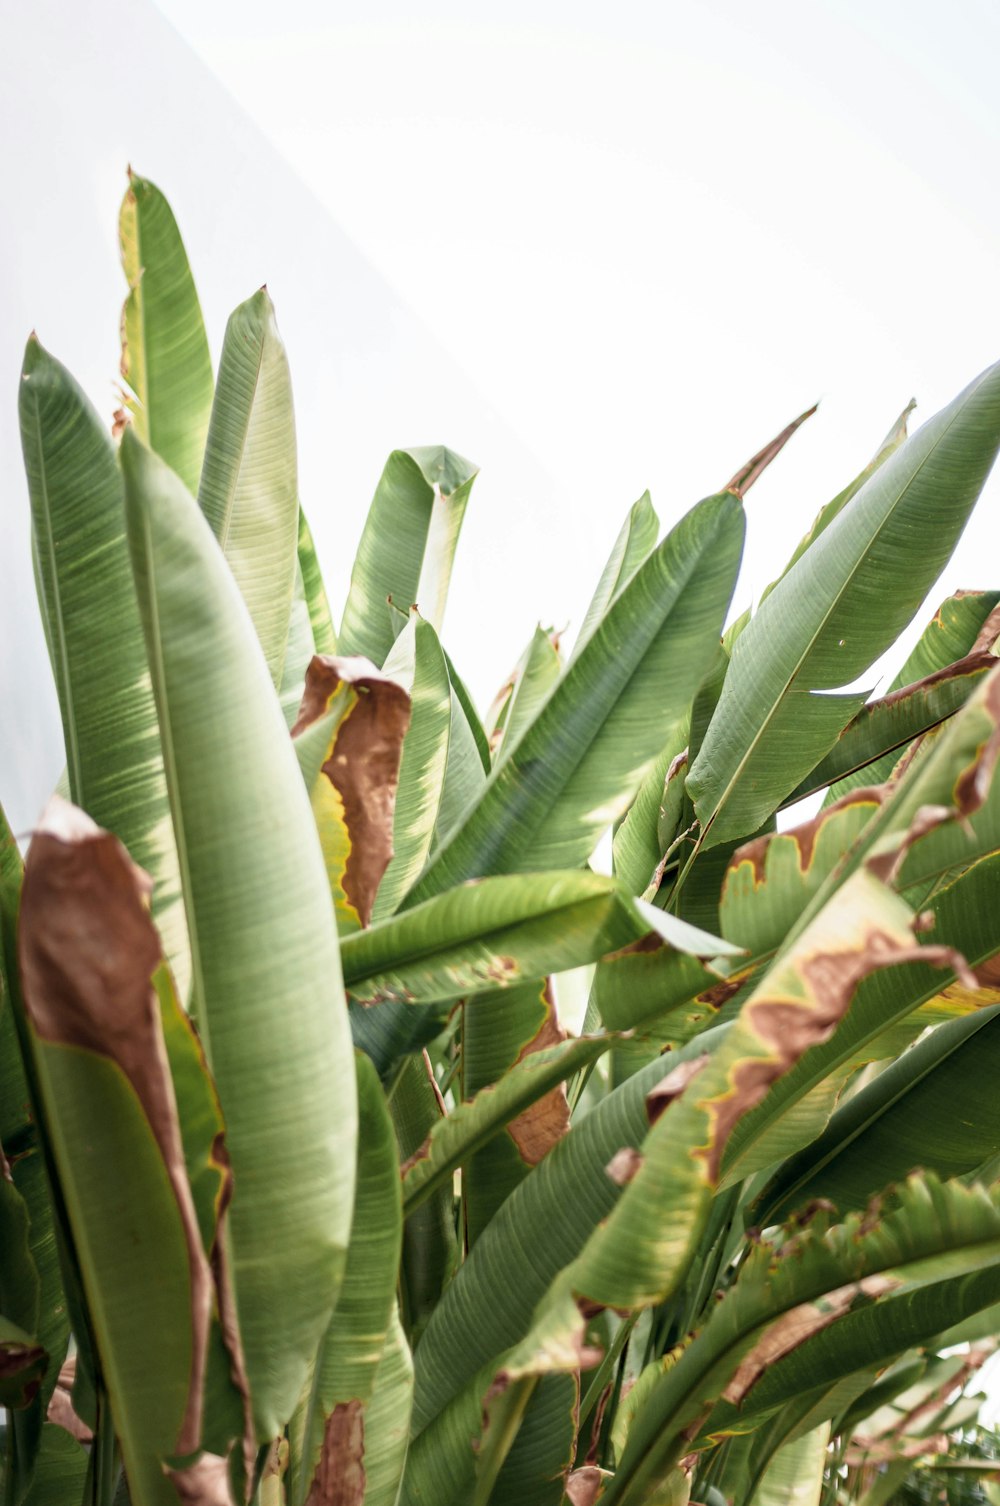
point(595, 247)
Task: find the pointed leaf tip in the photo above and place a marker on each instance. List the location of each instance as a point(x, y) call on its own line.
point(755, 467)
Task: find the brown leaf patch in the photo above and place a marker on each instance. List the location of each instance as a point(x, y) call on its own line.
point(790, 1026)
point(88, 951)
point(659, 1099)
point(538, 1127)
point(804, 836)
point(340, 1474)
point(623, 1165)
point(363, 764)
point(797, 1325)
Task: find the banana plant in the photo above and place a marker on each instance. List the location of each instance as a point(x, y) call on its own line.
point(362, 1141)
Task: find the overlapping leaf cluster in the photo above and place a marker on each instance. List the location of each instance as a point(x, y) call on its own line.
point(307, 1193)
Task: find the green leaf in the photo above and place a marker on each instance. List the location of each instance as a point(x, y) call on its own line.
point(890, 444)
point(299, 652)
point(430, 1250)
point(407, 547)
point(417, 662)
point(534, 676)
point(88, 599)
point(264, 941)
point(249, 485)
point(577, 766)
point(471, 1125)
point(641, 839)
point(904, 1119)
point(934, 683)
point(842, 604)
point(324, 636)
point(61, 1472)
point(86, 939)
point(794, 1476)
point(824, 1279)
point(797, 1108)
point(387, 1427)
point(500, 932)
point(632, 548)
point(165, 357)
point(334, 1444)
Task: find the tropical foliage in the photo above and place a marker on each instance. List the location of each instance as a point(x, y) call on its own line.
point(308, 1194)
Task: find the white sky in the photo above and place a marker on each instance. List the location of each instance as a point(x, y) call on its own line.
point(595, 248)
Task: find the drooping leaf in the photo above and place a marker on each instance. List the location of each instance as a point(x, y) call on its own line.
point(407, 547)
point(360, 717)
point(263, 936)
point(165, 358)
point(113, 751)
point(249, 486)
point(838, 608)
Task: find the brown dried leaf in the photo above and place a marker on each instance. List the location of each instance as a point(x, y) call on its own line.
point(362, 765)
point(340, 1474)
point(203, 1483)
point(623, 1165)
point(61, 1410)
point(88, 951)
point(758, 464)
point(659, 1099)
point(543, 1123)
point(584, 1485)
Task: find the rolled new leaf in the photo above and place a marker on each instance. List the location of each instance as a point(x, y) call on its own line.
point(407, 547)
point(267, 996)
point(165, 358)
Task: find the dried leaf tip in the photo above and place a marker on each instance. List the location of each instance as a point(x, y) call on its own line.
point(755, 467)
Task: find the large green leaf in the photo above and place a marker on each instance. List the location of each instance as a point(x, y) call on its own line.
point(334, 1446)
point(249, 487)
point(938, 1231)
point(581, 760)
point(267, 987)
point(838, 608)
point(794, 1476)
point(165, 357)
point(904, 1119)
point(407, 547)
point(87, 596)
point(88, 952)
point(502, 931)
